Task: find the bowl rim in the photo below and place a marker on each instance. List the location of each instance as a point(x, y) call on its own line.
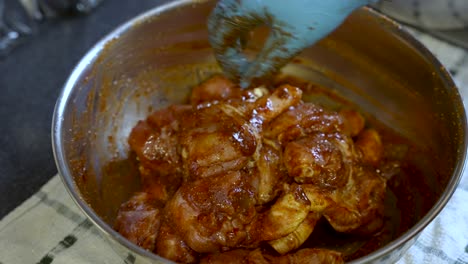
point(64, 169)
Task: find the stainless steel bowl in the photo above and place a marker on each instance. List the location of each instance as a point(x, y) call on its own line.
point(154, 59)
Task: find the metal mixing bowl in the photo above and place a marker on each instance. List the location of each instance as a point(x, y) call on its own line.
point(154, 60)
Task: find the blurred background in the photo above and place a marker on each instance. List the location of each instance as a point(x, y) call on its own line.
point(42, 40)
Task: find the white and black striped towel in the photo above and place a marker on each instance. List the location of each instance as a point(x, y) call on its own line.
point(49, 228)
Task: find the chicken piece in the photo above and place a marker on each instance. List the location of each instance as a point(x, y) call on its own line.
point(353, 122)
point(319, 197)
point(359, 206)
point(321, 159)
point(268, 173)
point(212, 213)
point(338, 183)
point(216, 89)
point(284, 216)
point(155, 140)
point(219, 138)
point(170, 246)
point(155, 143)
point(303, 256)
point(258, 257)
point(236, 256)
point(296, 238)
point(371, 147)
point(269, 107)
point(303, 119)
point(139, 220)
point(312, 256)
point(213, 142)
point(154, 147)
point(319, 201)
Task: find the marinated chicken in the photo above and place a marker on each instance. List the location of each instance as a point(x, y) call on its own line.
point(243, 176)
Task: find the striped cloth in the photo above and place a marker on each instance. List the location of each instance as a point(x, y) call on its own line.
point(49, 228)
point(429, 14)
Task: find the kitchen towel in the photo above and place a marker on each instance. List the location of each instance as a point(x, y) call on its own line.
point(49, 228)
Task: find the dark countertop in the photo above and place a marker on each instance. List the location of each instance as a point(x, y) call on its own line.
point(31, 78)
